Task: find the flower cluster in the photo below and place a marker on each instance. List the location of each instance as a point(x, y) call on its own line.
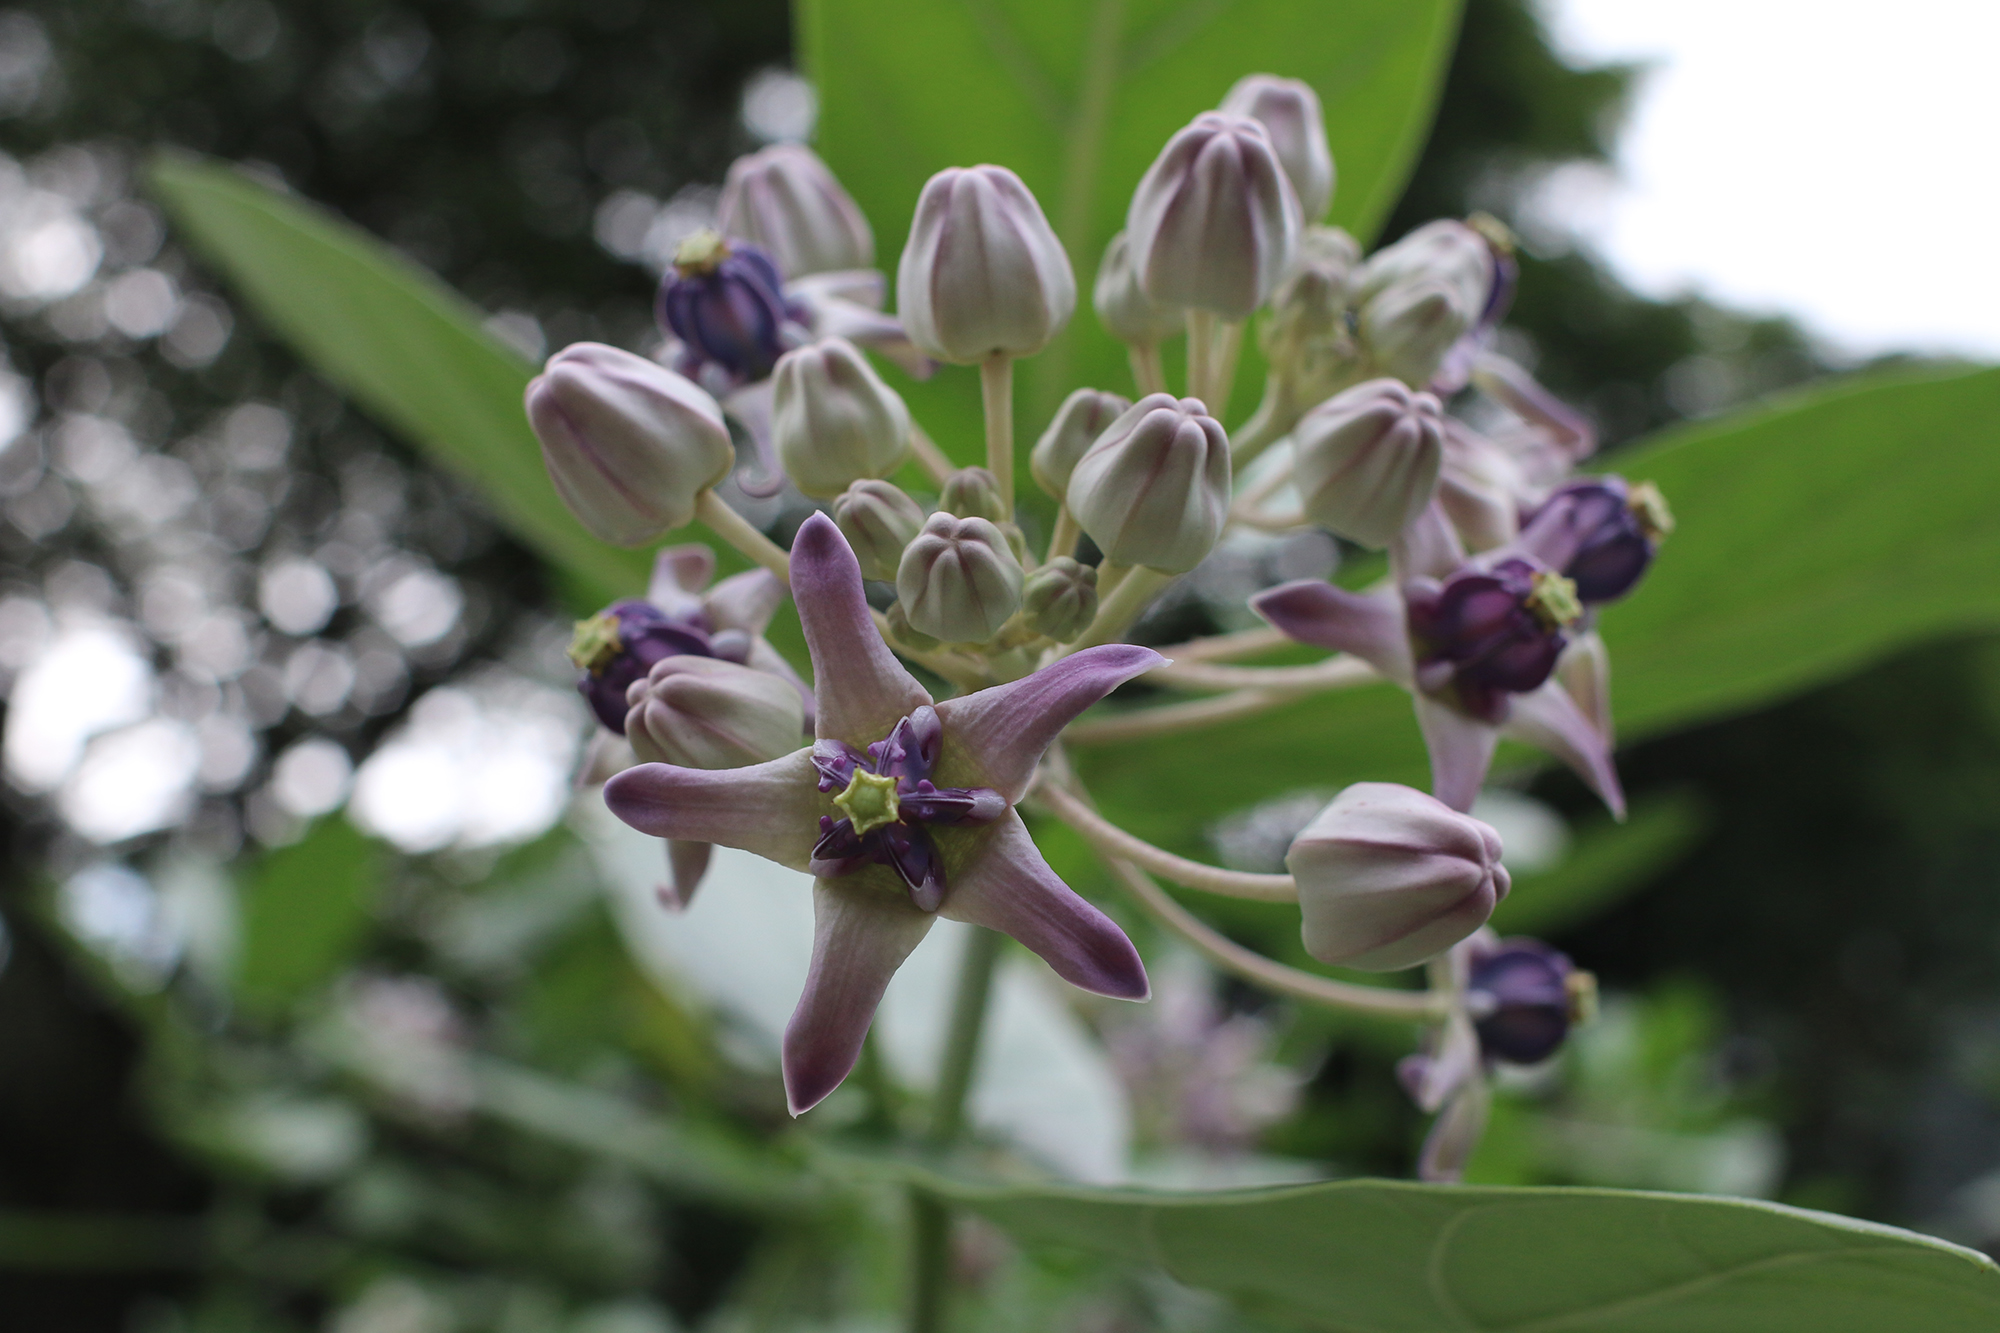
point(904, 806)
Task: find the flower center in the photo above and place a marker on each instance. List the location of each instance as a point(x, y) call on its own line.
point(1552, 600)
point(700, 254)
point(595, 643)
point(1649, 507)
point(869, 801)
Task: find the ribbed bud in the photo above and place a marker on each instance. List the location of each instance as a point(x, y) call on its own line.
point(628, 443)
point(1601, 533)
point(834, 420)
point(902, 634)
point(959, 581)
point(784, 199)
point(700, 712)
point(1447, 251)
point(1389, 877)
point(1153, 489)
point(1407, 328)
point(1214, 222)
point(878, 520)
point(1367, 460)
point(1123, 307)
point(1527, 996)
point(973, 492)
point(1290, 113)
point(1484, 634)
point(983, 273)
point(726, 303)
point(1060, 599)
point(1084, 415)
point(1306, 337)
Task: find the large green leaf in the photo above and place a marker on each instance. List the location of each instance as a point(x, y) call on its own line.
point(1078, 99)
point(1816, 534)
point(409, 350)
point(305, 909)
point(1370, 1256)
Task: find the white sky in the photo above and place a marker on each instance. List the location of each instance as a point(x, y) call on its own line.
point(1832, 160)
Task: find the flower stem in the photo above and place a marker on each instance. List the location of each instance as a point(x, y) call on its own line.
point(1228, 647)
point(996, 388)
point(1063, 540)
point(1149, 372)
point(1166, 719)
point(931, 458)
point(1274, 418)
point(1107, 839)
point(1222, 365)
point(1119, 607)
point(738, 531)
point(1330, 673)
point(1200, 353)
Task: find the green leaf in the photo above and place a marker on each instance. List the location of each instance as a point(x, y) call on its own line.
point(305, 909)
point(395, 339)
point(1369, 1256)
point(1607, 861)
point(1078, 99)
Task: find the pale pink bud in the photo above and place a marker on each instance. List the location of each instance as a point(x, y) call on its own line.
point(1123, 307)
point(878, 520)
point(1084, 415)
point(1447, 250)
point(959, 581)
point(1154, 488)
point(1367, 460)
point(1289, 111)
point(628, 443)
point(1389, 877)
point(1407, 328)
point(703, 712)
point(784, 199)
point(833, 419)
point(983, 274)
point(1214, 222)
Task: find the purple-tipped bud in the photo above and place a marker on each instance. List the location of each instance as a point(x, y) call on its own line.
point(959, 581)
point(628, 443)
point(1060, 599)
point(834, 420)
point(878, 520)
point(1214, 222)
point(1084, 415)
point(983, 274)
point(1389, 877)
point(1484, 634)
point(973, 492)
point(1306, 336)
point(1524, 997)
point(1154, 488)
point(725, 301)
point(1601, 533)
point(784, 199)
point(1407, 328)
point(1127, 313)
point(701, 712)
point(620, 644)
point(1289, 111)
point(1368, 459)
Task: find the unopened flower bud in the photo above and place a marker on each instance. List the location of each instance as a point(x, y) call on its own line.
point(1368, 459)
point(834, 420)
point(1484, 634)
point(1060, 599)
point(1601, 533)
point(1389, 877)
point(878, 520)
point(1448, 251)
point(1290, 113)
point(1084, 415)
point(628, 443)
point(1525, 996)
point(959, 581)
point(784, 199)
point(973, 492)
point(700, 712)
point(1214, 222)
point(725, 301)
point(1408, 327)
point(983, 274)
point(1123, 307)
point(903, 635)
point(1154, 488)
point(1306, 337)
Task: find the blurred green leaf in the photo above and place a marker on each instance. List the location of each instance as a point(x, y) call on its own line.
point(1078, 99)
point(306, 908)
point(1607, 861)
point(1391, 1257)
point(1816, 534)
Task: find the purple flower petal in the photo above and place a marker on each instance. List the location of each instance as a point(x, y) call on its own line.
point(861, 935)
point(861, 689)
point(1007, 886)
point(913, 856)
point(1428, 549)
point(1550, 719)
point(1461, 750)
point(745, 601)
point(1368, 626)
point(770, 809)
point(910, 750)
point(994, 738)
point(687, 862)
point(679, 575)
point(1454, 1134)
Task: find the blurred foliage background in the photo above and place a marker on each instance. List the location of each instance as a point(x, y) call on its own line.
point(261, 1070)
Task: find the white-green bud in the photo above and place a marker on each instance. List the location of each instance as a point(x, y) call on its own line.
point(1123, 307)
point(1447, 251)
point(878, 520)
point(1290, 113)
point(1153, 489)
point(1306, 336)
point(973, 492)
point(1084, 415)
point(1366, 461)
point(1407, 327)
point(833, 419)
point(1214, 222)
point(628, 443)
point(1060, 599)
point(959, 581)
point(983, 274)
point(703, 712)
point(784, 199)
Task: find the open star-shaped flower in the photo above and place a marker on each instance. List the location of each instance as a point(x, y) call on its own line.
point(903, 810)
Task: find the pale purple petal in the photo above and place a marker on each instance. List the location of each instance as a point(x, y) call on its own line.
point(1461, 750)
point(861, 689)
point(1454, 1135)
point(771, 662)
point(745, 601)
point(994, 738)
point(1368, 625)
point(679, 575)
point(1428, 549)
point(687, 862)
point(1433, 1079)
point(771, 809)
point(1005, 885)
point(750, 405)
point(861, 935)
point(1549, 719)
point(604, 755)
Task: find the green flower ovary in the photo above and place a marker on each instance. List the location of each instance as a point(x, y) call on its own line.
point(595, 643)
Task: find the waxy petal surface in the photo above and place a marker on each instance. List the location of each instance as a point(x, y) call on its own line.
point(770, 809)
point(745, 601)
point(679, 575)
point(1367, 625)
point(861, 935)
point(1549, 719)
point(687, 862)
point(1461, 750)
point(860, 688)
point(995, 737)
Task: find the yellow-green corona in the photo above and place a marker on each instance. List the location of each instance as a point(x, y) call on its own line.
point(1552, 599)
point(595, 643)
point(869, 801)
point(700, 253)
